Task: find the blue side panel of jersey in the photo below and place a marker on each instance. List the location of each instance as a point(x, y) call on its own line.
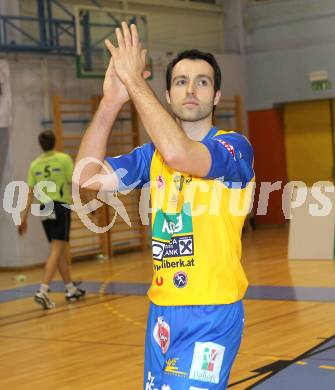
point(133, 169)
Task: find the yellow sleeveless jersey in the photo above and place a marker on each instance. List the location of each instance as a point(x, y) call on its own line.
point(197, 222)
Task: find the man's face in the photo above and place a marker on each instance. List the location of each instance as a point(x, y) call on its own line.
point(192, 90)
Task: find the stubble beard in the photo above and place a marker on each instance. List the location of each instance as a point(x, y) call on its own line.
point(195, 115)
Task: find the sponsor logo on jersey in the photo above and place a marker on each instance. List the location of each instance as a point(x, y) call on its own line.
point(229, 147)
point(166, 264)
point(178, 246)
point(166, 387)
point(207, 362)
point(172, 368)
point(180, 279)
point(158, 249)
point(180, 180)
point(160, 182)
point(150, 384)
point(172, 227)
point(172, 234)
point(167, 225)
point(161, 334)
point(159, 281)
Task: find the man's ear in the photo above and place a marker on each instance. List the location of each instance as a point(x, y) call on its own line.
point(167, 96)
point(217, 97)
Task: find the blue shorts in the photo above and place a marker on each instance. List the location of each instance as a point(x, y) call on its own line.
point(191, 347)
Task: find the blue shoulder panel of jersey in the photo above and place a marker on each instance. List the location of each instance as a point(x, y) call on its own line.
point(133, 169)
point(232, 159)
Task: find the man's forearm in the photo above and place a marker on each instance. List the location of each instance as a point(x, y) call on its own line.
point(24, 213)
point(95, 139)
point(163, 130)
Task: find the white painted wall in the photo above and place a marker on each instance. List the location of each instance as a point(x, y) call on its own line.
point(286, 41)
point(312, 236)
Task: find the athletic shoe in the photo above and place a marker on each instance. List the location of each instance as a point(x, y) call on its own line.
point(43, 300)
point(76, 295)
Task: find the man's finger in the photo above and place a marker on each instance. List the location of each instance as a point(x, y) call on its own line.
point(111, 60)
point(143, 55)
point(134, 35)
point(111, 63)
point(111, 67)
point(119, 38)
point(126, 34)
point(110, 46)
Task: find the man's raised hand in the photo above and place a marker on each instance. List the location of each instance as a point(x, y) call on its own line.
point(114, 91)
point(129, 57)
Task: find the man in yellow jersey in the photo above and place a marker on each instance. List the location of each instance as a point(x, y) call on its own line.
point(196, 172)
point(52, 172)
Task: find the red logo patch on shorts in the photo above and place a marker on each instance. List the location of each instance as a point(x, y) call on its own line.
point(162, 334)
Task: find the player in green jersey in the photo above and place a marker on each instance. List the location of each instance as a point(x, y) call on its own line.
point(50, 174)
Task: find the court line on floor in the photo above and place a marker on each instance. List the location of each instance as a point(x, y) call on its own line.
point(70, 341)
point(64, 308)
point(307, 354)
point(282, 293)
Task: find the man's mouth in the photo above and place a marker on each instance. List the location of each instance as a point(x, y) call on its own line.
point(191, 103)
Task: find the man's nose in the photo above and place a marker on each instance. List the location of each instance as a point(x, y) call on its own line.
point(191, 88)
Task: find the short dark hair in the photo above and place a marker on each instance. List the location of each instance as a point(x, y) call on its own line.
point(47, 140)
point(195, 54)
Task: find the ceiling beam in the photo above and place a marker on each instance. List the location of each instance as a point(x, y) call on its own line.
point(177, 4)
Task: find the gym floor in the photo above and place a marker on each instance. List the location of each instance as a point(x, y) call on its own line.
point(98, 343)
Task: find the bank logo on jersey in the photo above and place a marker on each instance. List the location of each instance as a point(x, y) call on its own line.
point(207, 362)
point(185, 246)
point(161, 334)
point(178, 246)
point(172, 234)
point(158, 249)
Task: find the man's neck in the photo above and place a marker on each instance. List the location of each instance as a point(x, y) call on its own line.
point(196, 130)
